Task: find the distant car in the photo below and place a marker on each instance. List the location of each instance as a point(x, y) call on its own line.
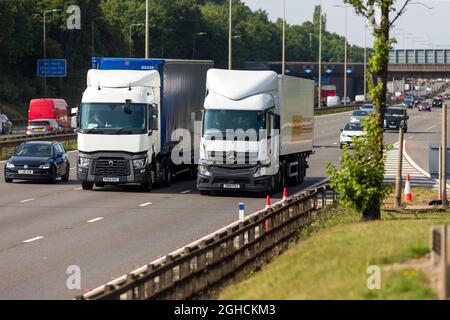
point(394, 118)
point(56, 109)
point(419, 100)
point(439, 97)
point(424, 106)
point(447, 96)
point(38, 160)
point(358, 115)
point(350, 131)
point(437, 103)
point(346, 100)
point(43, 126)
point(367, 107)
point(5, 125)
point(408, 103)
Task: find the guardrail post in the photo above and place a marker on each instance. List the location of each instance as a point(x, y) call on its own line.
point(445, 248)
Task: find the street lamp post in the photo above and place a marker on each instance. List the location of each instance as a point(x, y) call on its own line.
point(345, 52)
point(365, 62)
point(283, 67)
point(230, 40)
point(146, 30)
point(130, 36)
point(45, 49)
point(319, 84)
point(198, 34)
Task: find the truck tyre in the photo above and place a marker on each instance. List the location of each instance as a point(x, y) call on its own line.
point(301, 170)
point(8, 180)
point(293, 181)
point(283, 176)
point(167, 174)
point(148, 185)
point(100, 184)
point(87, 185)
point(204, 192)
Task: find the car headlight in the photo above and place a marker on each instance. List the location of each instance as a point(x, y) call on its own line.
point(83, 162)
point(139, 163)
point(203, 170)
point(261, 171)
point(9, 165)
point(45, 166)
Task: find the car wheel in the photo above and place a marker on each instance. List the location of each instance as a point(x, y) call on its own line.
point(87, 185)
point(66, 176)
point(8, 180)
point(341, 146)
point(52, 179)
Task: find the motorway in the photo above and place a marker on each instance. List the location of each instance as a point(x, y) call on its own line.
point(108, 232)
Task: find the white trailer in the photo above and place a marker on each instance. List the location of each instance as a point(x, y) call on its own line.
point(257, 131)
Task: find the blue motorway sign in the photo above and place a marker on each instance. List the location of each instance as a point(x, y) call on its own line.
point(52, 68)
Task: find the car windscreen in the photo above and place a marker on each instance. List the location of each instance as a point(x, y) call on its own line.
point(367, 106)
point(40, 123)
point(353, 127)
point(395, 112)
point(34, 150)
point(359, 113)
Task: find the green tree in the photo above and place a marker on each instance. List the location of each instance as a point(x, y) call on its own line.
point(360, 180)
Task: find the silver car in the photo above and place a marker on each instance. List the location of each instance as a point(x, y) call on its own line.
point(358, 115)
point(5, 125)
point(44, 127)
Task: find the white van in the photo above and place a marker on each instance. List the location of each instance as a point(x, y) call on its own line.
point(333, 101)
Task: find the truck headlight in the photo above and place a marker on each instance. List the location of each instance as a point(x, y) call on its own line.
point(9, 165)
point(203, 170)
point(385, 123)
point(139, 163)
point(83, 162)
point(44, 166)
point(261, 171)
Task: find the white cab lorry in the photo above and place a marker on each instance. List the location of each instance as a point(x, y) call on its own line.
point(128, 114)
point(257, 131)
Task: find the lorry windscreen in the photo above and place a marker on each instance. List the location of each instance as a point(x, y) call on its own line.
point(113, 118)
point(223, 120)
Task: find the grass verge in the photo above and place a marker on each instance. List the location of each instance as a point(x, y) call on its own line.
point(332, 261)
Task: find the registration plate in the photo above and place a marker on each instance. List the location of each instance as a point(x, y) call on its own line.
point(231, 186)
point(110, 179)
point(392, 126)
point(25, 171)
point(38, 130)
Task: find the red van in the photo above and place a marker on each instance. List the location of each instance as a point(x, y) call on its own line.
point(56, 109)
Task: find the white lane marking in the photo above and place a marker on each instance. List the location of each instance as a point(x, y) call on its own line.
point(95, 219)
point(145, 204)
point(79, 188)
point(73, 168)
point(27, 200)
point(185, 191)
point(33, 239)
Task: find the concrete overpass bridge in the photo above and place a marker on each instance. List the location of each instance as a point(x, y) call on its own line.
point(403, 64)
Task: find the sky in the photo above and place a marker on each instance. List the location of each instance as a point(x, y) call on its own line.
point(418, 28)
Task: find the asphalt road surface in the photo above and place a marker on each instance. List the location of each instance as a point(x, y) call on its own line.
point(108, 232)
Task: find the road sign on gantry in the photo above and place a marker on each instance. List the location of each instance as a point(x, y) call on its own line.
point(56, 68)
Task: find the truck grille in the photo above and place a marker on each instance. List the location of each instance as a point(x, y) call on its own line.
point(233, 157)
point(111, 168)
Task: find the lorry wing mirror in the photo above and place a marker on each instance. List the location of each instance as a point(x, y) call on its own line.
point(74, 118)
point(153, 117)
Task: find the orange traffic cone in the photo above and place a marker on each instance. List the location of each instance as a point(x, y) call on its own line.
point(268, 202)
point(285, 194)
point(408, 194)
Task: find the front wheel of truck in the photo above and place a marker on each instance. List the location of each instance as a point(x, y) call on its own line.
point(87, 185)
point(204, 192)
